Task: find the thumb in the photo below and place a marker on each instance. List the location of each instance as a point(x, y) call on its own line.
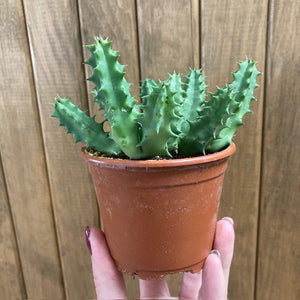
point(109, 282)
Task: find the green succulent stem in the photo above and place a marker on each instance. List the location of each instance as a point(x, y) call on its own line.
point(112, 93)
point(241, 93)
point(174, 117)
point(157, 118)
point(84, 128)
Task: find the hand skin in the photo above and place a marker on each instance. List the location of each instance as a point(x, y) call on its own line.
point(209, 284)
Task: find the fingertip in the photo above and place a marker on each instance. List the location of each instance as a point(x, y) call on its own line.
point(101, 256)
point(213, 282)
point(154, 289)
point(95, 239)
point(108, 280)
point(96, 236)
point(225, 234)
point(215, 251)
point(230, 220)
point(224, 242)
point(190, 285)
point(213, 262)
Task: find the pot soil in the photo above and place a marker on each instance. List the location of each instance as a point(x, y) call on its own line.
point(159, 216)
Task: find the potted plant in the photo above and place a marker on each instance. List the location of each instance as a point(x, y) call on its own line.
point(158, 171)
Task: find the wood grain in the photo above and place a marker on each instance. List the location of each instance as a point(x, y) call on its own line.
point(56, 50)
point(116, 20)
point(24, 164)
point(279, 240)
point(168, 35)
point(232, 30)
point(46, 195)
point(12, 282)
point(169, 40)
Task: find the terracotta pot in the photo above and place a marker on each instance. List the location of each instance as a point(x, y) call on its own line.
point(159, 216)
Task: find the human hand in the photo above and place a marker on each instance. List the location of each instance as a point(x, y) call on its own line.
point(209, 284)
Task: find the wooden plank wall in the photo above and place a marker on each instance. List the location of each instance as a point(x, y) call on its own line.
point(279, 244)
point(46, 195)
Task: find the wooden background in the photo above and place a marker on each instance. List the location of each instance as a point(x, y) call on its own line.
point(46, 195)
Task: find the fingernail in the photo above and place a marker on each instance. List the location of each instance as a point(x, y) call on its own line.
point(87, 238)
point(229, 220)
point(215, 251)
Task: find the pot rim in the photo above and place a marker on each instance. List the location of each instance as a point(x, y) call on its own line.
point(153, 163)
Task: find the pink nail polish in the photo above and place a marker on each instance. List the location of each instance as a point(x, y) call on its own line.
point(87, 238)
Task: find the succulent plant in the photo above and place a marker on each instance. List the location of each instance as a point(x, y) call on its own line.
point(174, 117)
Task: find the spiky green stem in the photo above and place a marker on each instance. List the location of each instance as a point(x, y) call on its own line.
point(241, 92)
point(84, 128)
point(194, 88)
point(174, 117)
point(112, 93)
point(206, 126)
point(158, 114)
